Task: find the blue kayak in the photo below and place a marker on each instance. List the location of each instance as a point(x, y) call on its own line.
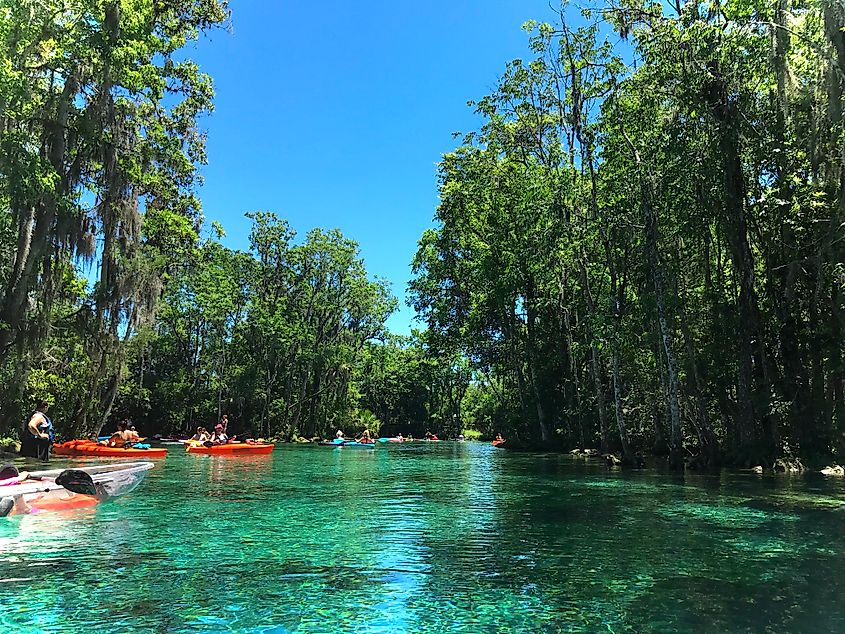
point(348, 443)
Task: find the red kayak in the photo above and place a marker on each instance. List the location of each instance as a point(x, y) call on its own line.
point(91, 448)
point(498, 443)
point(233, 449)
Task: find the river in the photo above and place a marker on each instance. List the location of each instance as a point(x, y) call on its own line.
point(438, 537)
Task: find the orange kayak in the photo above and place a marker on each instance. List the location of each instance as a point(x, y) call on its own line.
point(90, 448)
point(61, 503)
point(232, 449)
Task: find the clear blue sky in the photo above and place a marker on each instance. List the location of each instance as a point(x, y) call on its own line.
point(335, 114)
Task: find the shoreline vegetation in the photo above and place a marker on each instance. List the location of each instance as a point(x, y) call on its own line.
point(640, 250)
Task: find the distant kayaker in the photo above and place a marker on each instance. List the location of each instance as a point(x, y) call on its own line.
point(499, 438)
point(37, 434)
point(225, 422)
point(339, 435)
point(365, 437)
point(219, 437)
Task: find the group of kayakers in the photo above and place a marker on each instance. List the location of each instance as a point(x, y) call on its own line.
point(217, 437)
point(37, 435)
point(365, 439)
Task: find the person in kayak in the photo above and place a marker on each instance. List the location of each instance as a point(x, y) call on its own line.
point(219, 436)
point(365, 438)
point(134, 435)
point(225, 422)
point(201, 435)
point(9, 476)
point(37, 434)
point(339, 435)
point(118, 438)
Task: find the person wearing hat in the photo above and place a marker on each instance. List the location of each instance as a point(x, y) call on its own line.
point(219, 437)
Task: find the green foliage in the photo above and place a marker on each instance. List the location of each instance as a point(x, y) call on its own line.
point(638, 248)
point(273, 337)
point(99, 111)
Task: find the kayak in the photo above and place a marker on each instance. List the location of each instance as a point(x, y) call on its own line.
point(391, 440)
point(352, 444)
point(166, 440)
point(90, 448)
point(498, 443)
point(43, 494)
point(232, 449)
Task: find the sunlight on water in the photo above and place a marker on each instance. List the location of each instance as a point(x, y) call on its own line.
point(455, 537)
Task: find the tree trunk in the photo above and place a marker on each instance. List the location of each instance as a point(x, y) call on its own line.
point(542, 425)
point(627, 455)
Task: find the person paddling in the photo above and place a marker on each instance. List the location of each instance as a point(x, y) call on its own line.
point(37, 434)
point(365, 437)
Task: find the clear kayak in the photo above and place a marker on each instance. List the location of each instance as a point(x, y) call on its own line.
point(42, 493)
point(90, 448)
point(231, 449)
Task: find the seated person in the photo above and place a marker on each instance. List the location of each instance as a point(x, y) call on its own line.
point(132, 434)
point(13, 504)
point(365, 437)
point(118, 438)
point(201, 435)
point(219, 437)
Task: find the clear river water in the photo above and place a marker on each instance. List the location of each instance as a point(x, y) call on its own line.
point(438, 537)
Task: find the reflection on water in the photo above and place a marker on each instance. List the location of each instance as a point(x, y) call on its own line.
point(447, 537)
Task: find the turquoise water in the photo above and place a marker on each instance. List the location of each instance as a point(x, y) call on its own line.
point(448, 537)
